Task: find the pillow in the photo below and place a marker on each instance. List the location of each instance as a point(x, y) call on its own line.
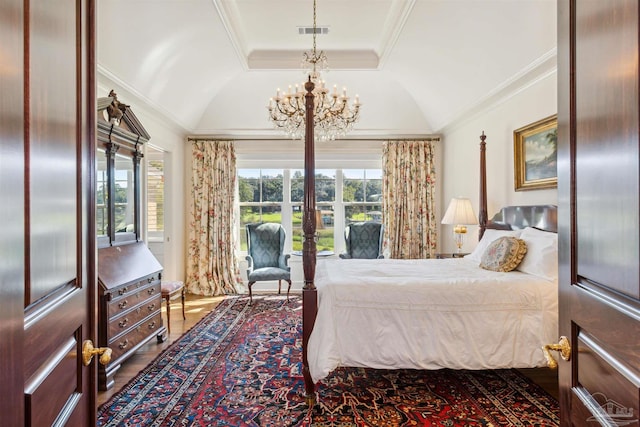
point(503, 254)
point(489, 236)
point(542, 255)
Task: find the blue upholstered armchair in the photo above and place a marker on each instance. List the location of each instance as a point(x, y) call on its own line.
point(265, 257)
point(364, 240)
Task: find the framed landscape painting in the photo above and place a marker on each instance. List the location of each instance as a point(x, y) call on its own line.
point(535, 154)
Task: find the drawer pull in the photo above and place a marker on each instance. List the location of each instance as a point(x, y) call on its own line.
point(151, 291)
point(123, 322)
point(152, 325)
point(150, 279)
point(152, 307)
point(124, 344)
point(123, 291)
point(122, 305)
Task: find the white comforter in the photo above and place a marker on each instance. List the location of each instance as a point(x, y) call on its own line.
point(429, 314)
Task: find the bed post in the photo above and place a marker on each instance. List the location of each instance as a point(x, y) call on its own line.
point(309, 292)
point(483, 216)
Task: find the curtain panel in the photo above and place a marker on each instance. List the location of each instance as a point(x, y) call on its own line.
point(408, 188)
point(212, 266)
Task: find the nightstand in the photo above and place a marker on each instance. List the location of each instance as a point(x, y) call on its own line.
point(450, 255)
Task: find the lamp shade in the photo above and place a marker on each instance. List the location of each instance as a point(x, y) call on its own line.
point(459, 212)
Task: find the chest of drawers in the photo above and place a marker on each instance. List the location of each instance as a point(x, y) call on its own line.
point(129, 304)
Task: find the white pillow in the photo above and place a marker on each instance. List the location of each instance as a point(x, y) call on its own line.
point(542, 253)
point(487, 238)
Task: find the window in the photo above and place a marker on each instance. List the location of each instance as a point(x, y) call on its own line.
point(155, 194)
point(260, 193)
point(277, 195)
point(155, 200)
point(325, 181)
point(362, 195)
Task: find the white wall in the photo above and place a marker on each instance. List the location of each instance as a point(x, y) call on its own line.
point(461, 145)
point(170, 138)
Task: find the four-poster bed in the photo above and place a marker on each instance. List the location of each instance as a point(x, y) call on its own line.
point(364, 305)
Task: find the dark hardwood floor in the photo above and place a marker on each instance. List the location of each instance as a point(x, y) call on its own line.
point(197, 306)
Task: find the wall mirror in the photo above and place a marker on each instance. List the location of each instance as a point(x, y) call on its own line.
point(119, 151)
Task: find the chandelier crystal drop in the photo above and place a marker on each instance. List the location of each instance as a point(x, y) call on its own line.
point(334, 116)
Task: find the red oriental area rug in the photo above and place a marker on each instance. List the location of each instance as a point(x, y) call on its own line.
point(241, 366)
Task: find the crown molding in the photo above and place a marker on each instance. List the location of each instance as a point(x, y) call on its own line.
point(125, 91)
point(540, 69)
point(395, 25)
point(228, 13)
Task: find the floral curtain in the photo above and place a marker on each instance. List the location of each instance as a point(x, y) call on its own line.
point(212, 266)
point(408, 188)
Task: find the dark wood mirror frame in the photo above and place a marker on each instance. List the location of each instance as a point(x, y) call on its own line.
point(120, 132)
point(129, 276)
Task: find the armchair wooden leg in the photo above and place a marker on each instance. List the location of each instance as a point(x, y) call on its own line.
point(250, 295)
point(184, 317)
point(279, 284)
point(167, 298)
point(288, 289)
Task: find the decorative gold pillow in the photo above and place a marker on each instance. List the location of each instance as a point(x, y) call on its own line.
point(503, 254)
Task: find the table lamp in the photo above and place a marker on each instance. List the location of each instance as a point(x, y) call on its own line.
point(459, 214)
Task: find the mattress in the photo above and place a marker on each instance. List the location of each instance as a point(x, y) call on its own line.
point(429, 314)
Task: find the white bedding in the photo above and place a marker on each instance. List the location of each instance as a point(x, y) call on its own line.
point(429, 314)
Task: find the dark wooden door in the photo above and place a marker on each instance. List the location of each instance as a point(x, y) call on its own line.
point(598, 191)
point(47, 243)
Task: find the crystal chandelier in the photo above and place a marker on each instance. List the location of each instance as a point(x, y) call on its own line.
point(333, 115)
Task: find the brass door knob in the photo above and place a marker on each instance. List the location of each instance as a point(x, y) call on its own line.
point(563, 347)
point(88, 351)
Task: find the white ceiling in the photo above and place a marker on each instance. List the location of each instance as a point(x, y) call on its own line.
point(419, 66)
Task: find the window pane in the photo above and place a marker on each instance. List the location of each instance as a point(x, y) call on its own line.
point(272, 185)
point(123, 197)
point(353, 190)
point(325, 185)
point(373, 190)
point(324, 228)
point(249, 189)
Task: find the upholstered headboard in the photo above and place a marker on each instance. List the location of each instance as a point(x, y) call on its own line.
point(544, 217)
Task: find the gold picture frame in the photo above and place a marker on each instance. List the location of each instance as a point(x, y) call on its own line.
point(535, 155)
